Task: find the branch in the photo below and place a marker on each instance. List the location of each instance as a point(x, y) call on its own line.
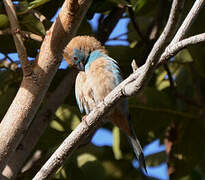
point(108, 24)
point(39, 125)
point(26, 66)
point(10, 65)
point(33, 36)
point(135, 81)
point(25, 34)
point(33, 89)
point(135, 25)
point(133, 84)
point(5, 31)
point(193, 13)
point(158, 48)
point(174, 48)
point(155, 29)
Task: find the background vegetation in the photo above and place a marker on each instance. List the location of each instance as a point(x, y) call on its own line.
point(170, 108)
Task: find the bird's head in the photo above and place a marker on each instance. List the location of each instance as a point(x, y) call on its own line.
point(78, 50)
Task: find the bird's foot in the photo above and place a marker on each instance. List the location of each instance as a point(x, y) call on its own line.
point(84, 120)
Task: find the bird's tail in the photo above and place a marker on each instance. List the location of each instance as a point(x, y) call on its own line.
point(138, 150)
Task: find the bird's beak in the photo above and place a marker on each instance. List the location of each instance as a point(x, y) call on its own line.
point(80, 66)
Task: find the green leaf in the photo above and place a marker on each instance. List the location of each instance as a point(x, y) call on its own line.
point(116, 143)
point(84, 158)
point(138, 4)
point(31, 23)
point(4, 21)
point(90, 166)
point(68, 117)
point(36, 3)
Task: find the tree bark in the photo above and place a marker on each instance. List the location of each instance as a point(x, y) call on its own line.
point(34, 86)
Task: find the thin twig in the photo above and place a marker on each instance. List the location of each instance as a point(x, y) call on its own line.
point(25, 34)
point(107, 25)
point(5, 31)
point(33, 36)
point(7, 57)
point(155, 30)
point(160, 45)
point(190, 18)
point(134, 65)
point(15, 28)
point(135, 25)
point(174, 48)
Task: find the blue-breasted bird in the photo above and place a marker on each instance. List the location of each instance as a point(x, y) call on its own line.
point(99, 74)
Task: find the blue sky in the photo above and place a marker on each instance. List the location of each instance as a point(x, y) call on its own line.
point(103, 136)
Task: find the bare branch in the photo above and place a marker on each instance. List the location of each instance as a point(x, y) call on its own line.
point(160, 45)
point(193, 13)
point(26, 66)
point(135, 25)
point(33, 89)
point(107, 25)
point(5, 31)
point(24, 33)
point(133, 84)
point(174, 48)
point(33, 36)
point(10, 65)
point(134, 65)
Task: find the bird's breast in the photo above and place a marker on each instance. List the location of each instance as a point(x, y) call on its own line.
point(101, 78)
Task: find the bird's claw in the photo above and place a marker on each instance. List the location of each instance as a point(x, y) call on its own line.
point(84, 120)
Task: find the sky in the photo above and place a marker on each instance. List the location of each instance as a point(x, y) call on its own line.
point(104, 136)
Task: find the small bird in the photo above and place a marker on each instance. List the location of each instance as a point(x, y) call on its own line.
point(98, 75)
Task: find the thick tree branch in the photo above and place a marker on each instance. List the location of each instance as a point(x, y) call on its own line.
point(39, 125)
point(33, 89)
point(133, 84)
point(26, 66)
point(42, 119)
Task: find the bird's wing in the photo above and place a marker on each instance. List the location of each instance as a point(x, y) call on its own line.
point(83, 93)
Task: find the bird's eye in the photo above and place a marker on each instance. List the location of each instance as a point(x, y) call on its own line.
point(75, 58)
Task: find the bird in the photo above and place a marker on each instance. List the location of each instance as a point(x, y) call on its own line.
point(98, 75)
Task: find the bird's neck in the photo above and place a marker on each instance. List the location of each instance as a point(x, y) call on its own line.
point(93, 56)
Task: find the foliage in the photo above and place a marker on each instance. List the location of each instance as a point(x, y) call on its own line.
point(153, 112)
